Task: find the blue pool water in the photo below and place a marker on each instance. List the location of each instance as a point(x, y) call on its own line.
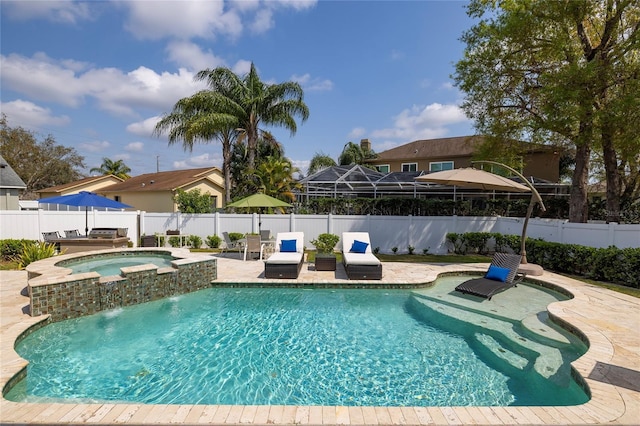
point(283, 346)
point(111, 264)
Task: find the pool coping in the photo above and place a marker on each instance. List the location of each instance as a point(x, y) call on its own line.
point(610, 368)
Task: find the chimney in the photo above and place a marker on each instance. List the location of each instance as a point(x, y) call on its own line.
point(365, 145)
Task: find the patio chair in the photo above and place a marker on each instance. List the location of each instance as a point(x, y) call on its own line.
point(230, 245)
point(288, 257)
point(501, 275)
point(51, 236)
point(265, 234)
point(253, 245)
point(73, 233)
point(359, 261)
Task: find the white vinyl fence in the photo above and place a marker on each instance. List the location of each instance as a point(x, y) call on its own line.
point(386, 232)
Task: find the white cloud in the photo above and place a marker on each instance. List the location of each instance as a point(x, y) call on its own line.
point(45, 79)
point(203, 160)
point(263, 21)
point(302, 165)
point(422, 122)
point(95, 146)
point(29, 115)
point(134, 147)
point(55, 11)
point(356, 133)
point(190, 55)
point(144, 128)
point(241, 67)
point(312, 84)
point(181, 19)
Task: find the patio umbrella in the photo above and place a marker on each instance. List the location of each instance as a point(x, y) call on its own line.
point(473, 178)
point(259, 201)
point(85, 199)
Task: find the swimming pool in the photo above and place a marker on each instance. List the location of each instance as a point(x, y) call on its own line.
point(311, 347)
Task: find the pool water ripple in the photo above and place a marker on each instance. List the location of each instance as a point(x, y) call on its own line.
point(268, 347)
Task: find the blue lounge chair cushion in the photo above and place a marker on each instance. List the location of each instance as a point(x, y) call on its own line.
point(497, 273)
point(359, 247)
point(288, 246)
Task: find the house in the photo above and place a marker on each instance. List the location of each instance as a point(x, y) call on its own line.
point(433, 155)
point(10, 187)
point(155, 192)
point(89, 184)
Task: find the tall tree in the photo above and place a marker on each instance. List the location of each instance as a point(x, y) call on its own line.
point(353, 153)
point(207, 115)
point(256, 103)
point(556, 72)
point(40, 164)
point(275, 178)
point(320, 161)
point(116, 168)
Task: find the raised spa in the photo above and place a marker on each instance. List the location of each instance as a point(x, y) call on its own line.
point(79, 284)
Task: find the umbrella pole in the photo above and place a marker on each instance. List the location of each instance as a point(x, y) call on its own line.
point(86, 221)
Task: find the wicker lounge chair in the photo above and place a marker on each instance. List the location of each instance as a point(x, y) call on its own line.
point(287, 260)
point(359, 261)
point(501, 275)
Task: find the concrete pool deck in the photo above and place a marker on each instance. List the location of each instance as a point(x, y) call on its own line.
point(611, 366)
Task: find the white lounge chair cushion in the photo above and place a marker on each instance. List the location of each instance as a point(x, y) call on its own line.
point(285, 258)
point(360, 258)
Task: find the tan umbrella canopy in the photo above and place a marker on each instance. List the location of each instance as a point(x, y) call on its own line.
point(473, 178)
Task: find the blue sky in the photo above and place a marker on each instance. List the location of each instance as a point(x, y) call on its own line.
point(98, 75)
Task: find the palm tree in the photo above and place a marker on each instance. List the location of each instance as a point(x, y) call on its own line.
point(353, 153)
point(116, 168)
point(320, 161)
point(207, 115)
point(254, 102)
point(275, 178)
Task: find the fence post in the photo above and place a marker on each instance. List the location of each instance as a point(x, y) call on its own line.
point(612, 233)
point(292, 222)
point(330, 223)
point(216, 224)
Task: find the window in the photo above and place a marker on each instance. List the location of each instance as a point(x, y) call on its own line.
point(213, 199)
point(442, 165)
point(117, 198)
point(383, 168)
point(409, 167)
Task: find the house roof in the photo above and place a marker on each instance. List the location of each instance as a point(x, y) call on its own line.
point(78, 183)
point(459, 146)
point(8, 177)
point(432, 148)
point(161, 181)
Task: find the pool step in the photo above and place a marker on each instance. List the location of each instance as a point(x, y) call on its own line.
point(541, 326)
point(501, 352)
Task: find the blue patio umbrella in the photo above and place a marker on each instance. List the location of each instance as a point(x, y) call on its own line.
point(85, 199)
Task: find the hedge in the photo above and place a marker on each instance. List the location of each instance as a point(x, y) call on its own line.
point(612, 265)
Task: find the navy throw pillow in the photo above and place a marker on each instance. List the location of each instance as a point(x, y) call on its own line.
point(359, 247)
point(288, 246)
point(497, 273)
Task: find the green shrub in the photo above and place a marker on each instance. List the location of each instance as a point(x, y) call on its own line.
point(394, 250)
point(32, 252)
point(195, 241)
point(325, 243)
point(235, 236)
point(411, 249)
point(174, 241)
point(213, 241)
point(476, 242)
point(456, 241)
point(11, 248)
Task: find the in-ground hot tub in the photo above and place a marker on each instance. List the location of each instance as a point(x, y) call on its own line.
point(140, 275)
